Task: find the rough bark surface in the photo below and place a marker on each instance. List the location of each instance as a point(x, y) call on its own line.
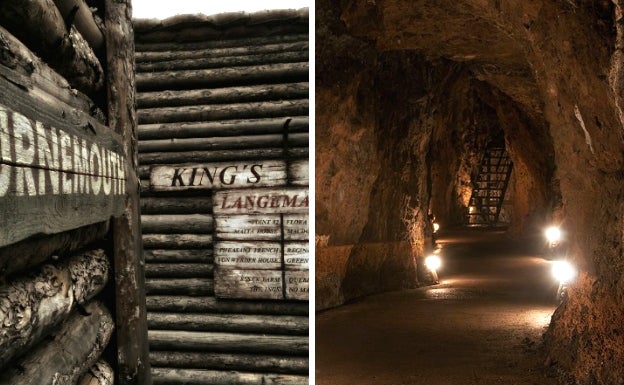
point(30, 307)
point(70, 352)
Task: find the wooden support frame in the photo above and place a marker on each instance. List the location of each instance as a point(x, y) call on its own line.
point(132, 345)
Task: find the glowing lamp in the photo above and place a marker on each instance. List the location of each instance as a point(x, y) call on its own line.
point(563, 271)
point(433, 262)
point(553, 235)
point(436, 227)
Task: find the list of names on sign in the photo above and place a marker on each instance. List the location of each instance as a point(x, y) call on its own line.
point(262, 249)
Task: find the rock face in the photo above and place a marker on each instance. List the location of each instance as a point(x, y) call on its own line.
point(408, 95)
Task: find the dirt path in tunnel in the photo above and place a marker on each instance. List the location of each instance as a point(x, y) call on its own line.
point(482, 324)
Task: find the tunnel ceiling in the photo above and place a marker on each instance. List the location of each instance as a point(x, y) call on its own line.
point(492, 38)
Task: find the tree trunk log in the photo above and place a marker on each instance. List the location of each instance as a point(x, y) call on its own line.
point(174, 303)
point(211, 112)
point(230, 362)
point(101, 373)
point(227, 342)
point(210, 156)
point(74, 348)
point(177, 205)
point(83, 21)
point(35, 75)
point(147, 56)
point(193, 79)
point(226, 143)
point(30, 307)
point(222, 128)
point(132, 347)
point(175, 45)
point(167, 376)
point(223, 95)
point(176, 224)
point(178, 270)
point(33, 252)
point(176, 241)
point(179, 256)
point(40, 25)
point(224, 61)
point(234, 323)
point(187, 286)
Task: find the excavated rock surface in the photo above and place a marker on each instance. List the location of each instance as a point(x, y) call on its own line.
point(550, 73)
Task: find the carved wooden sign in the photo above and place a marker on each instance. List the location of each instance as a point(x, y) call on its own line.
point(59, 168)
point(287, 200)
point(243, 174)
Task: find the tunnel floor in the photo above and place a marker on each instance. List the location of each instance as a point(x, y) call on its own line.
point(482, 324)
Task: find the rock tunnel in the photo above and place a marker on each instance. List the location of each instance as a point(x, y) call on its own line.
point(409, 94)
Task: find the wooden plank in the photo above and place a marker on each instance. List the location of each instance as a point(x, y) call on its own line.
point(177, 241)
point(170, 98)
point(261, 201)
point(181, 303)
point(248, 284)
point(296, 255)
point(227, 342)
point(296, 227)
point(207, 112)
point(59, 168)
point(179, 270)
point(235, 127)
point(132, 347)
point(169, 376)
point(216, 156)
point(248, 227)
point(182, 286)
point(230, 361)
point(217, 77)
point(244, 174)
point(176, 205)
point(179, 256)
point(226, 142)
point(298, 173)
point(224, 61)
point(173, 45)
point(248, 255)
point(297, 285)
point(176, 224)
point(155, 56)
point(235, 323)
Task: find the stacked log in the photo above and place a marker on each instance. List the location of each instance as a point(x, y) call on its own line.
point(216, 89)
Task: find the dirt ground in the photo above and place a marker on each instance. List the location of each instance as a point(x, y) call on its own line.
point(482, 324)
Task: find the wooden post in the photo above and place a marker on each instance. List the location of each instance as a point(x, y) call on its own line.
point(132, 346)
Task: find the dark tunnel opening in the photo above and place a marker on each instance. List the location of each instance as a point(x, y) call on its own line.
point(410, 95)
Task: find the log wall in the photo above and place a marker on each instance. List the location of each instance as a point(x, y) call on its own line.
point(64, 175)
point(215, 91)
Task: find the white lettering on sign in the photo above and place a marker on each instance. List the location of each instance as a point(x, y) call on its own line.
point(36, 159)
point(261, 173)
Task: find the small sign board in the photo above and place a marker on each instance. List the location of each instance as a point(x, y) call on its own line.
point(297, 285)
point(242, 174)
point(249, 227)
point(248, 255)
point(261, 201)
point(296, 227)
point(252, 284)
point(296, 255)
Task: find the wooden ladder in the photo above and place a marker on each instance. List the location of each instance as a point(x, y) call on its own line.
point(489, 187)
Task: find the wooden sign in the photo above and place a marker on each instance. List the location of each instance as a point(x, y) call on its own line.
point(248, 255)
point(297, 285)
point(298, 173)
point(244, 174)
point(296, 255)
point(59, 168)
point(261, 201)
point(252, 284)
point(249, 227)
point(296, 227)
